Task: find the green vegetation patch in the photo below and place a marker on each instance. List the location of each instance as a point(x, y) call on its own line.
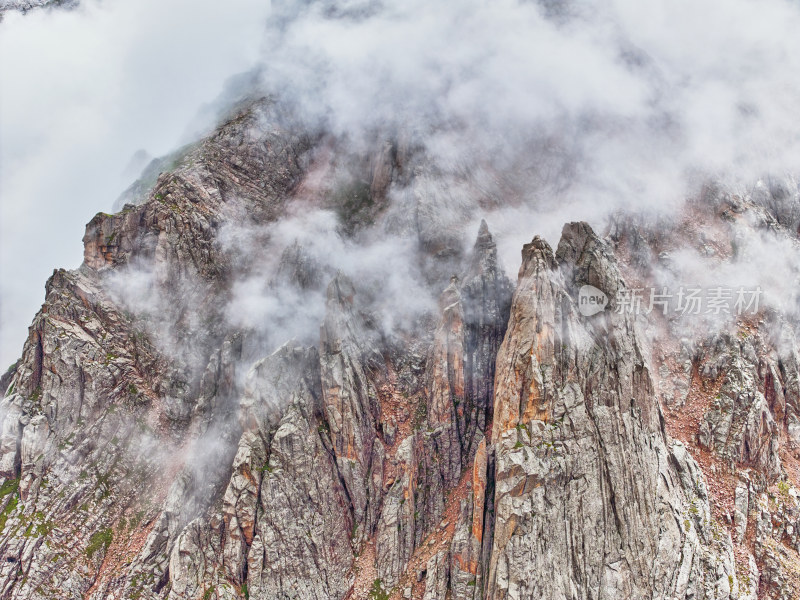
point(9, 487)
point(7, 510)
point(209, 592)
point(377, 592)
point(100, 540)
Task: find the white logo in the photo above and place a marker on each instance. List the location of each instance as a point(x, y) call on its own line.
point(591, 301)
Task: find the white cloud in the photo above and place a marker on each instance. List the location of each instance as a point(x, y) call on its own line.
point(611, 104)
point(640, 95)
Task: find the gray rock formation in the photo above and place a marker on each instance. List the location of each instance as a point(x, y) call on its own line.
point(587, 486)
point(493, 447)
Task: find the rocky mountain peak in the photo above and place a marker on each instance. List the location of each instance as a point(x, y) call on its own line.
point(497, 444)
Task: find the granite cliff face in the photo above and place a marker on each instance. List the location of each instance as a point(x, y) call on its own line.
point(497, 445)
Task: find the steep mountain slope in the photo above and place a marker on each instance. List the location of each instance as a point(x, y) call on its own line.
point(163, 436)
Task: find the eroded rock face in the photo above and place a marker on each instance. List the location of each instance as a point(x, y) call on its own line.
point(74, 423)
point(739, 425)
point(301, 542)
point(588, 490)
point(152, 448)
point(349, 400)
point(486, 298)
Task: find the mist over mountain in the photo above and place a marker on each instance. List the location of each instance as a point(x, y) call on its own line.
point(421, 300)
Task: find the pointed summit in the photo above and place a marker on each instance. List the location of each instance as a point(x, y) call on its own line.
point(484, 239)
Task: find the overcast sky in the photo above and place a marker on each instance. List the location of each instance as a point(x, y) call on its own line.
point(81, 91)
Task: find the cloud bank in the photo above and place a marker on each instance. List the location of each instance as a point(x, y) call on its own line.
point(589, 106)
point(528, 113)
